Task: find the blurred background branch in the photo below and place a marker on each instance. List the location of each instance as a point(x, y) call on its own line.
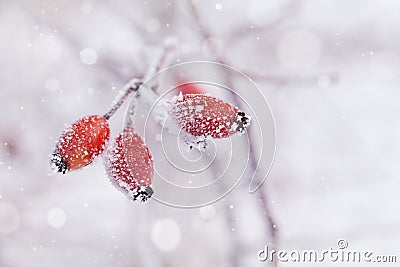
point(329, 69)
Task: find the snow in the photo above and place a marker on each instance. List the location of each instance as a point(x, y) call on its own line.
point(52, 85)
point(207, 212)
point(263, 12)
point(299, 50)
point(165, 234)
point(329, 70)
point(56, 217)
point(87, 7)
point(88, 56)
point(152, 25)
point(9, 218)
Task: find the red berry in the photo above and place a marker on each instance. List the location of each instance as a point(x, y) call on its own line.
point(81, 143)
point(129, 165)
point(204, 115)
point(189, 88)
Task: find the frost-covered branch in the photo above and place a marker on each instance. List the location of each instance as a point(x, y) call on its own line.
point(205, 34)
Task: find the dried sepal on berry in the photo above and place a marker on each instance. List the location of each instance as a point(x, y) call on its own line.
point(80, 143)
point(129, 165)
point(208, 116)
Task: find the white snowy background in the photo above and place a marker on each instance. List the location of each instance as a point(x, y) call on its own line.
point(329, 69)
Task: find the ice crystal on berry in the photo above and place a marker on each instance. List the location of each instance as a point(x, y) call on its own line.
point(129, 165)
point(80, 144)
point(203, 116)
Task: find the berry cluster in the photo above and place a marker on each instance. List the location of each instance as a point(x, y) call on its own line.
point(128, 161)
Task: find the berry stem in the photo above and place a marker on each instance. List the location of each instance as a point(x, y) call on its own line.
point(132, 86)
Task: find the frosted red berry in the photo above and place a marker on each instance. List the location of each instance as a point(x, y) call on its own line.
point(204, 115)
point(129, 165)
point(81, 143)
point(189, 88)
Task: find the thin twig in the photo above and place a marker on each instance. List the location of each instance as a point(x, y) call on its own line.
point(234, 253)
point(158, 63)
point(264, 201)
point(128, 89)
point(205, 33)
